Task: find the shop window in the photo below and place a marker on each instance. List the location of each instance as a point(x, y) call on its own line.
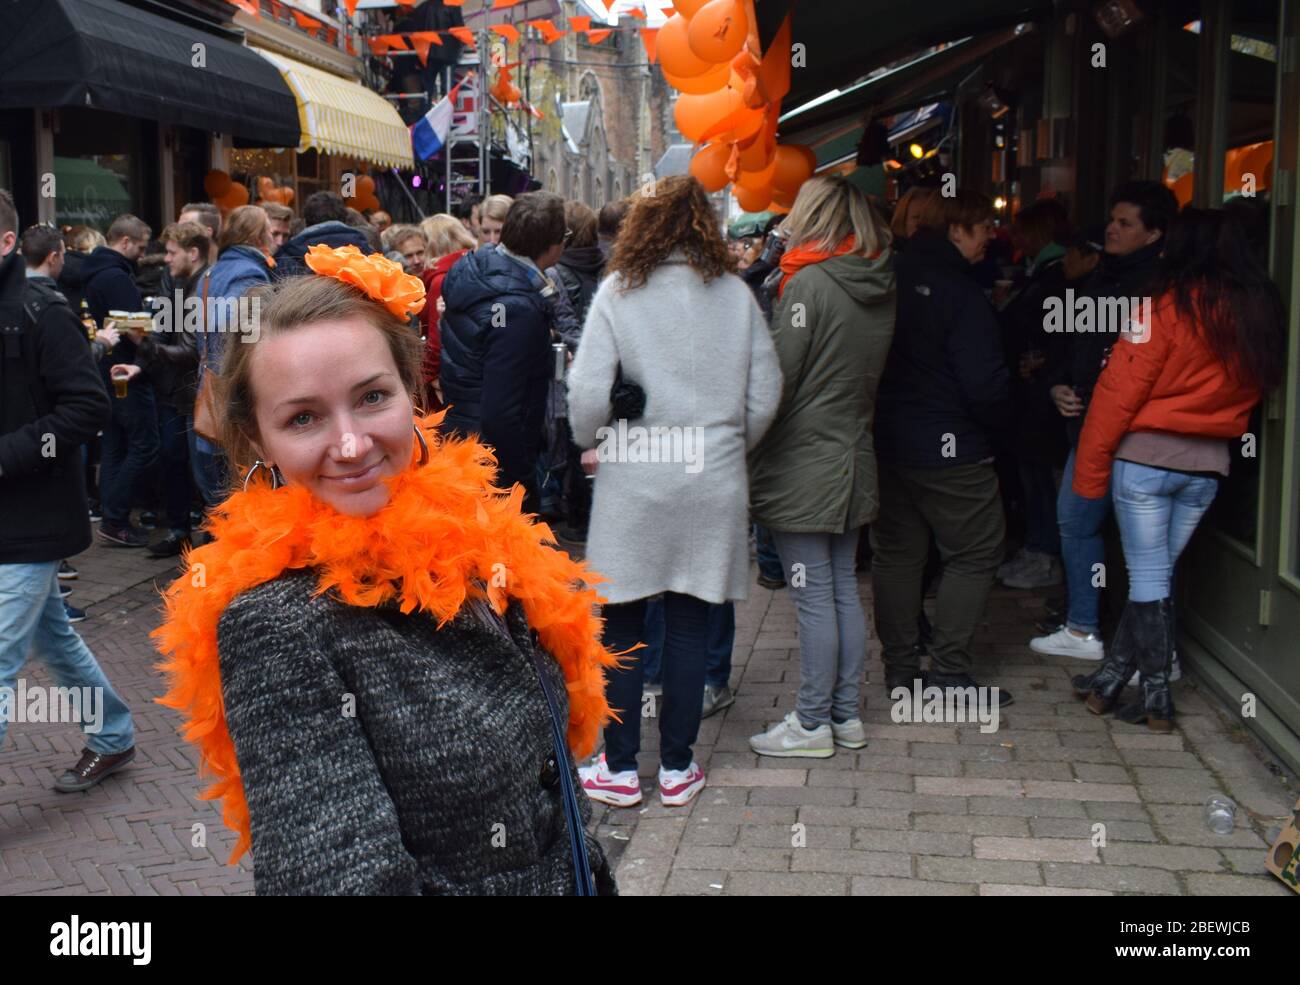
point(97, 161)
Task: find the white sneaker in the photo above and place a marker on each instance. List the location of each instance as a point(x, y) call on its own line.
point(849, 734)
point(789, 738)
point(679, 787)
point(1064, 643)
point(616, 789)
point(1175, 674)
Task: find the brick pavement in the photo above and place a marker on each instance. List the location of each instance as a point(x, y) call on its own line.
point(925, 809)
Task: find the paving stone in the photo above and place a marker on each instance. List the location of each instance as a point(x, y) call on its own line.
point(854, 817)
point(1247, 861)
point(695, 882)
point(851, 862)
point(995, 889)
point(1036, 849)
point(758, 777)
point(1019, 771)
point(1120, 878)
point(786, 884)
point(797, 836)
point(1081, 791)
point(968, 787)
point(912, 842)
point(1022, 807)
point(801, 795)
point(1178, 858)
point(1083, 828)
point(882, 886)
point(979, 870)
point(642, 876)
point(972, 824)
point(1206, 884)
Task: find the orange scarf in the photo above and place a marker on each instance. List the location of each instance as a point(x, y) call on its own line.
point(792, 261)
point(444, 534)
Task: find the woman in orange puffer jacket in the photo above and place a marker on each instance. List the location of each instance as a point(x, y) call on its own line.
point(1174, 396)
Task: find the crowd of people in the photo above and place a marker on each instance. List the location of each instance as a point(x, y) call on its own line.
point(835, 393)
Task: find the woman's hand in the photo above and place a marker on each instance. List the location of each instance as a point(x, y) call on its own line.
point(124, 371)
point(109, 334)
point(590, 461)
point(1066, 400)
point(441, 305)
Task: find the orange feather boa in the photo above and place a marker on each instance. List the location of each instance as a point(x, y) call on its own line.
point(445, 534)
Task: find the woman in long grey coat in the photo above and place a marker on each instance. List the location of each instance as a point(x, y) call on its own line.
point(813, 478)
point(669, 509)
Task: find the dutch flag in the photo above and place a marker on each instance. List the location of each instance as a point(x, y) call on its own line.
point(429, 132)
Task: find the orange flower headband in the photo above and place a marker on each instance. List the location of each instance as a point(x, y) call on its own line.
point(378, 277)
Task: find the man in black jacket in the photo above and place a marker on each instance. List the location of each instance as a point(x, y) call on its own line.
point(944, 400)
point(496, 336)
point(129, 446)
point(170, 355)
point(51, 402)
point(326, 216)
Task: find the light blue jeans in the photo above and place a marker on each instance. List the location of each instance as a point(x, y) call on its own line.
point(32, 618)
point(1157, 511)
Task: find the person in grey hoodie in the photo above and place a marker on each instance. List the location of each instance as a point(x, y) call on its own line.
point(832, 326)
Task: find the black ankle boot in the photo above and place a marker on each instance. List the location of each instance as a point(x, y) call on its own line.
point(1101, 688)
point(1155, 656)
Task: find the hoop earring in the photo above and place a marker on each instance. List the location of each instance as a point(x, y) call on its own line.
point(277, 480)
point(424, 446)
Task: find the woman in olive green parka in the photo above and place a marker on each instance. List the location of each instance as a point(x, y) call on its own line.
point(813, 476)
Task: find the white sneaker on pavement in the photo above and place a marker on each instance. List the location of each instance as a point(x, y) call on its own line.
point(616, 789)
point(849, 734)
point(1065, 643)
point(789, 738)
point(679, 787)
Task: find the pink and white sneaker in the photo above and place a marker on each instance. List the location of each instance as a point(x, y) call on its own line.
point(616, 789)
point(679, 787)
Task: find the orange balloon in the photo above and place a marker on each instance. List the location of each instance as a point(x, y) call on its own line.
point(687, 8)
point(809, 155)
point(709, 166)
point(216, 184)
point(717, 30)
point(264, 185)
point(744, 122)
point(674, 52)
point(756, 179)
point(792, 170)
point(696, 114)
point(365, 185)
point(752, 199)
point(758, 156)
point(237, 196)
point(782, 198)
point(697, 85)
point(286, 196)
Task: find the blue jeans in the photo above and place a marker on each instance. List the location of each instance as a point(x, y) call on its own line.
point(172, 432)
point(769, 561)
point(128, 450)
point(1082, 548)
point(208, 465)
point(32, 617)
point(685, 631)
point(721, 639)
point(1042, 534)
point(1157, 511)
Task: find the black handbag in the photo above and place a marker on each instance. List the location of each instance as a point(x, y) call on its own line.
point(626, 397)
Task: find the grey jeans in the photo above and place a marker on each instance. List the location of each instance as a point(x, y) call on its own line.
point(832, 626)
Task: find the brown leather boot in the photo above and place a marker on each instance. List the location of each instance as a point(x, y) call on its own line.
point(91, 768)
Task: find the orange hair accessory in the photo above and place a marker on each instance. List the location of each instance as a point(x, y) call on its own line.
point(380, 278)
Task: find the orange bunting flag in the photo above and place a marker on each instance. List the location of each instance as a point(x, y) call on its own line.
point(453, 3)
point(247, 6)
point(650, 38)
point(421, 41)
point(305, 21)
point(634, 12)
point(352, 6)
point(550, 33)
point(462, 34)
point(596, 37)
point(580, 24)
point(501, 4)
point(507, 31)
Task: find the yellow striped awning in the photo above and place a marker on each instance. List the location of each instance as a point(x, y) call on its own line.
point(340, 116)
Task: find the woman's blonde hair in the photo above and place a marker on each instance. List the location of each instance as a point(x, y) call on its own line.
point(828, 210)
point(283, 307)
point(395, 235)
point(84, 239)
point(248, 225)
point(446, 234)
point(495, 207)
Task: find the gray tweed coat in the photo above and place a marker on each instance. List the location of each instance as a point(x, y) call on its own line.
point(381, 755)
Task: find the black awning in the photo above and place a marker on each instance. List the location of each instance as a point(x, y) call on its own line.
point(105, 55)
point(844, 41)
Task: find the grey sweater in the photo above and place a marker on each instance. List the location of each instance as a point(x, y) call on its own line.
point(382, 755)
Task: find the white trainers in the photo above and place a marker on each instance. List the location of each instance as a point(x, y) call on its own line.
point(1064, 643)
point(849, 734)
point(679, 787)
point(789, 738)
point(1037, 571)
point(616, 789)
point(1175, 674)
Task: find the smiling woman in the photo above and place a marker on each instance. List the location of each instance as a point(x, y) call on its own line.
point(378, 654)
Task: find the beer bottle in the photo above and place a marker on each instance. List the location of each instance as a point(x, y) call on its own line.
point(87, 320)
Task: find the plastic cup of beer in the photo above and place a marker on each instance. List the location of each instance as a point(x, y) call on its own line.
point(119, 378)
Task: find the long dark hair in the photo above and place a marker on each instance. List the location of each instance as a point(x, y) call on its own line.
point(1217, 281)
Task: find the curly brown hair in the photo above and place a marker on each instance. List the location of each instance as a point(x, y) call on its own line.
point(672, 214)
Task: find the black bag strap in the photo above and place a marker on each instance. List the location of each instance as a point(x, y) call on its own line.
point(577, 831)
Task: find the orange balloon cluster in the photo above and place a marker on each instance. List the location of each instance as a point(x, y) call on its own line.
point(504, 90)
point(730, 102)
point(365, 198)
point(268, 192)
point(225, 193)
